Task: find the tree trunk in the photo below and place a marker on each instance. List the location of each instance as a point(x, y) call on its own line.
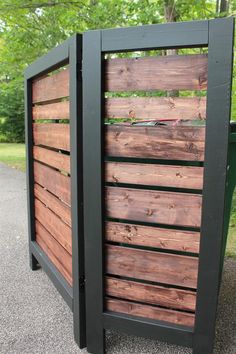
point(171, 16)
point(224, 6)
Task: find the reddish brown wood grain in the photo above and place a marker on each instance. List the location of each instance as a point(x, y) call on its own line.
point(53, 181)
point(171, 208)
point(55, 252)
point(151, 294)
point(55, 135)
point(53, 224)
point(158, 267)
point(167, 239)
point(173, 72)
point(155, 313)
point(155, 175)
point(61, 209)
point(161, 142)
point(51, 87)
point(52, 158)
point(156, 107)
point(57, 110)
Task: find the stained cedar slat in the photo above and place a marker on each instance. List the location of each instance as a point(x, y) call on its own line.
point(155, 175)
point(173, 72)
point(156, 107)
point(58, 110)
point(52, 158)
point(168, 239)
point(171, 208)
point(161, 142)
point(52, 180)
point(56, 205)
point(151, 294)
point(56, 135)
point(158, 267)
point(55, 252)
point(51, 87)
point(53, 224)
point(155, 313)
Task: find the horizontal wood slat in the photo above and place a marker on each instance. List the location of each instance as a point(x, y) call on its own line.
point(161, 142)
point(58, 110)
point(167, 239)
point(55, 252)
point(152, 266)
point(171, 208)
point(151, 294)
point(56, 205)
point(155, 313)
point(172, 72)
point(163, 108)
point(52, 180)
point(53, 224)
point(54, 135)
point(51, 87)
point(52, 158)
point(154, 175)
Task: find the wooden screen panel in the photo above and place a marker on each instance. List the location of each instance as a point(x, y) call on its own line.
point(53, 181)
point(58, 110)
point(172, 72)
point(54, 225)
point(148, 236)
point(158, 142)
point(52, 158)
point(151, 294)
point(171, 208)
point(164, 108)
point(153, 266)
point(51, 87)
point(53, 203)
point(53, 135)
point(155, 313)
point(190, 177)
point(55, 252)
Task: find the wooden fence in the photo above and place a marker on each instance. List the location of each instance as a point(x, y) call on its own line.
point(127, 210)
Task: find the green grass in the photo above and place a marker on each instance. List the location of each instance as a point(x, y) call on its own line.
point(13, 155)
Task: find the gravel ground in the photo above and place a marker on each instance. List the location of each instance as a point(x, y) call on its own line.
point(33, 316)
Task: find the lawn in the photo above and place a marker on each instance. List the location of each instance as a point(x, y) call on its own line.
point(14, 155)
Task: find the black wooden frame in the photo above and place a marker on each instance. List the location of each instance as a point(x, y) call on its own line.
point(218, 36)
point(70, 52)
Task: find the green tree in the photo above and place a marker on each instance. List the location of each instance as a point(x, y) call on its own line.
point(30, 28)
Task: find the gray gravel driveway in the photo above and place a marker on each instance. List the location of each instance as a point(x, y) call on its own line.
point(33, 316)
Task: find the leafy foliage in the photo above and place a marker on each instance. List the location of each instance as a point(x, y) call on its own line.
point(30, 28)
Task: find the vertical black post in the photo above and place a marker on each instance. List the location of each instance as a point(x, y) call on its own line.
point(29, 169)
point(93, 213)
point(76, 153)
point(220, 60)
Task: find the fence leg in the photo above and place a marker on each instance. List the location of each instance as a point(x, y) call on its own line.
point(96, 342)
point(33, 262)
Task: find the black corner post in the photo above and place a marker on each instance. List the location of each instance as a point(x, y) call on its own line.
point(29, 170)
point(76, 154)
point(69, 52)
point(220, 61)
point(93, 190)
